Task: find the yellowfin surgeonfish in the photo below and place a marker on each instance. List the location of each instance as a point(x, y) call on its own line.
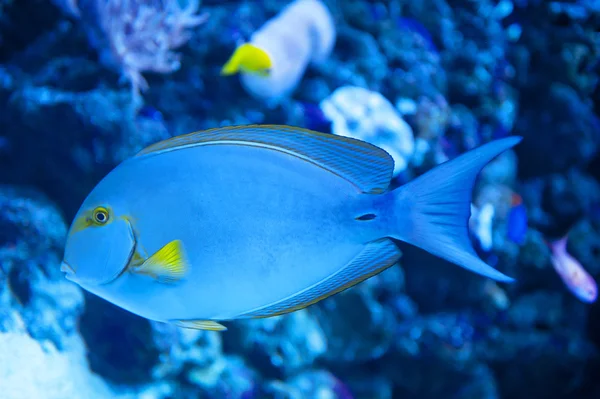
point(250, 59)
point(261, 220)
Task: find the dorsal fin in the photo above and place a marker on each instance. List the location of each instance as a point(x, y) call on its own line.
point(366, 166)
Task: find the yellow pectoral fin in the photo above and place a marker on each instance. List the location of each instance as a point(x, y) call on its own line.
point(200, 325)
point(137, 258)
point(168, 265)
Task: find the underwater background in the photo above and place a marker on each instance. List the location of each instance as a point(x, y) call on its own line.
point(85, 84)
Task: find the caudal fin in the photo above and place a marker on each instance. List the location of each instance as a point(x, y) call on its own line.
point(433, 210)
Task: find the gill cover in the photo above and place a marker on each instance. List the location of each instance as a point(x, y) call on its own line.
point(98, 254)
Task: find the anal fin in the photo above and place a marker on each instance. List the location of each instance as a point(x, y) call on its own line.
point(375, 257)
point(208, 325)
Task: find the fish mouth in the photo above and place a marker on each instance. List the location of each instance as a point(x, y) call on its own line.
point(66, 268)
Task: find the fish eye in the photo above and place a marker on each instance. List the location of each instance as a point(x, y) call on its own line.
point(100, 215)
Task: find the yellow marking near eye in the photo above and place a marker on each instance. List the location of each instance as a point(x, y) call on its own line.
point(92, 218)
point(168, 265)
point(81, 223)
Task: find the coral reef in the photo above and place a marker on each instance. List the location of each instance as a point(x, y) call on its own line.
point(439, 77)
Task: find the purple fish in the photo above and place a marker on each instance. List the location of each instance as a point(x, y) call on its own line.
point(572, 273)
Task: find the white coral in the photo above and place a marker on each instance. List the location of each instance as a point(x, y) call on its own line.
point(367, 115)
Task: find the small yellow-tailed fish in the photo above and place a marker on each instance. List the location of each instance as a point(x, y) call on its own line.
point(261, 220)
point(250, 59)
point(273, 62)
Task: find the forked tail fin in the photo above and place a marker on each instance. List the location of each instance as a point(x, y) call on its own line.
point(432, 211)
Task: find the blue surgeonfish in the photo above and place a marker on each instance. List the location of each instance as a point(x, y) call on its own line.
point(262, 220)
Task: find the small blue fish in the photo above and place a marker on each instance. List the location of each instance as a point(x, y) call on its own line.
point(516, 222)
point(261, 220)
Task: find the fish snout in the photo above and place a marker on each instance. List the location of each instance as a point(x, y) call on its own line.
point(66, 268)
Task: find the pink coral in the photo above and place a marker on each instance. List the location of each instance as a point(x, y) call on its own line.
point(134, 36)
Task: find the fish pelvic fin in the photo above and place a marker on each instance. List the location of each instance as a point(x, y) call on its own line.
point(248, 58)
point(168, 265)
point(432, 211)
point(375, 257)
point(208, 325)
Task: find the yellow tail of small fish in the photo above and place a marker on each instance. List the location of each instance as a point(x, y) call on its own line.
point(247, 58)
